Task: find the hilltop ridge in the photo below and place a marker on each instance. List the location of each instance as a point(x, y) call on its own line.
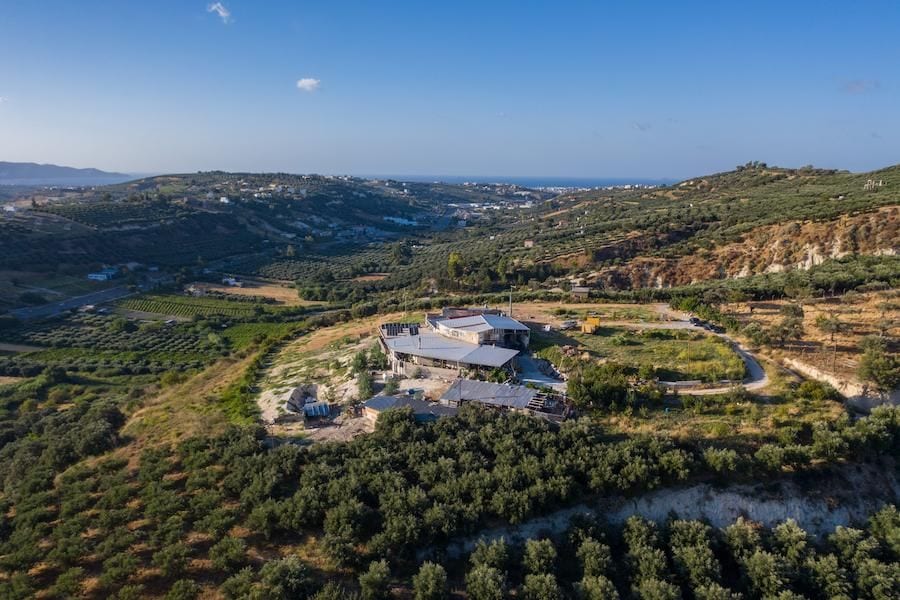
point(28, 173)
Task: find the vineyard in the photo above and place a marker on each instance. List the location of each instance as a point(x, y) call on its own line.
point(185, 306)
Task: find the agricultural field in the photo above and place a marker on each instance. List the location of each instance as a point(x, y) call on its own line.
point(831, 331)
point(344, 262)
point(669, 354)
point(278, 293)
point(111, 345)
point(189, 306)
point(652, 341)
point(242, 335)
point(786, 411)
point(650, 338)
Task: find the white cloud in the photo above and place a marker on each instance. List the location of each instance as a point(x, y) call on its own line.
point(219, 9)
point(3, 99)
point(308, 84)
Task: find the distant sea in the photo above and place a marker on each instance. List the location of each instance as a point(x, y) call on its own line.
point(532, 182)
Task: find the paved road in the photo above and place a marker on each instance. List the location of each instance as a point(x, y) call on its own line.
point(54, 308)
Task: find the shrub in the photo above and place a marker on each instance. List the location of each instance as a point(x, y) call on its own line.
point(374, 582)
point(597, 588)
point(541, 586)
point(485, 583)
point(540, 556)
point(285, 579)
point(183, 589)
point(228, 553)
point(430, 583)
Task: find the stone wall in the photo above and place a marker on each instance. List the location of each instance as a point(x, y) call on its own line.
point(859, 396)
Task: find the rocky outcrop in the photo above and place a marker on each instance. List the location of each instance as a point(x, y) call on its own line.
point(769, 249)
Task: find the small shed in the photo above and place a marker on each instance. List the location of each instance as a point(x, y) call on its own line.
point(581, 292)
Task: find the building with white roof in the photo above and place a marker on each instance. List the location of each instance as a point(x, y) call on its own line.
point(480, 326)
point(455, 340)
point(408, 347)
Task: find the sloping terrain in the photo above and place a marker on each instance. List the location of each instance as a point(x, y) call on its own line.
point(767, 249)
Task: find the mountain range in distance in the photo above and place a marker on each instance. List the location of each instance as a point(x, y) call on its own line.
point(23, 173)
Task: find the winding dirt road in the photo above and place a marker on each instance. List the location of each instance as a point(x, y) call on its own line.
point(756, 378)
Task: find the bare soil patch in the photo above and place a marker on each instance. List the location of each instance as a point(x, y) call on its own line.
point(371, 277)
point(286, 296)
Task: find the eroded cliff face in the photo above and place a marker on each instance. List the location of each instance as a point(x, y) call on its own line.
point(769, 249)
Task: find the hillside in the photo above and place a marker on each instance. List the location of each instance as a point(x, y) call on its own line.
point(346, 238)
point(148, 448)
point(16, 173)
point(53, 238)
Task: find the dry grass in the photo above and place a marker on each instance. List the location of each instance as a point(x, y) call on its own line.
point(862, 315)
point(187, 409)
point(285, 296)
point(545, 312)
point(371, 277)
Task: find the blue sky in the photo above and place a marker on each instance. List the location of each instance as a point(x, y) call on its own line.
point(594, 89)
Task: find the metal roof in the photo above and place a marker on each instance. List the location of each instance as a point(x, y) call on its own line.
point(317, 409)
point(495, 394)
point(422, 409)
point(483, 323)
point(380, 403)
point(437, 347)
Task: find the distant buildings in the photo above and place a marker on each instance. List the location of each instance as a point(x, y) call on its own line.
point(104, 274)
point(401, 221)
